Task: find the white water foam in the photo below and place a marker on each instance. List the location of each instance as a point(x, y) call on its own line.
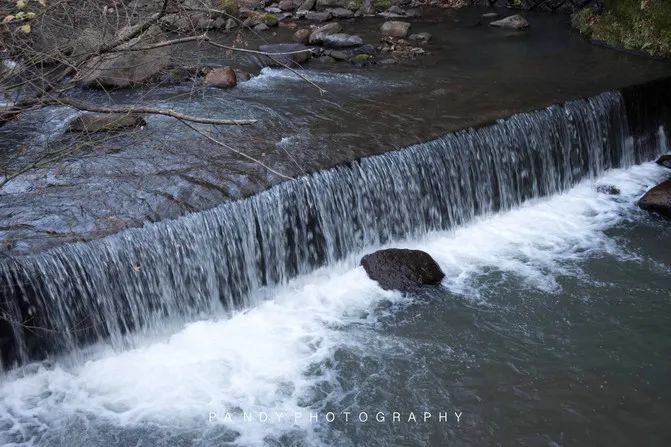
point(259, 360)
point(269, 78)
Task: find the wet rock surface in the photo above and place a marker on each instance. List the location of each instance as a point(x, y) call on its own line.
point(664, 160)
point(221, 78)
point(105, 122)
point(516, 22)
point(375, 101)
point(402, 269)
point(658, 200)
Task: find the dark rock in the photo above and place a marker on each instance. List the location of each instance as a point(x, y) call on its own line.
point(341, 13)
point(402, 269)
point(105, 122)
point(664, 160)
point(332, 3)
point(338, 55)
point(261, 27)
point(420, 37)
point(317, 36)
point(341, 40)
point(299, 54)
point(327, 60)
point(242, 76)
point(307, 5)
point(318, 16)
point(413, 13)
point(287, 5)
point(302, 36)
point(395, 28)
point(608, 189)
point(221, 78)
point(516, 22)
point(658, 200)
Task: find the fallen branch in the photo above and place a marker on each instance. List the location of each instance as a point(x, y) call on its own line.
point(81, 105)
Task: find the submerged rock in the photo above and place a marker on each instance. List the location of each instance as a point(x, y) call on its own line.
point(664, 160)
point(516, 22)
point(395, 28)
point(402, 269)
point(611, 190)
point(658, 200)
point(221, 77)
point(105, 122)
point(341, 40)
point(420, 37)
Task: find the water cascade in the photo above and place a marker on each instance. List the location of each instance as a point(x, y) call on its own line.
point(211, 262)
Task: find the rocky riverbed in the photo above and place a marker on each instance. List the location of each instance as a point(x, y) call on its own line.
point(358, 86)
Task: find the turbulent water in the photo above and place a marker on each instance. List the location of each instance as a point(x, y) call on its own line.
point(220, 260)
point(333, 341)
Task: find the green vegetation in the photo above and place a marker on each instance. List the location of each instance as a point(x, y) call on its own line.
point(643, 25)
point(269, 19)
point(381, 5)
point(230, 7)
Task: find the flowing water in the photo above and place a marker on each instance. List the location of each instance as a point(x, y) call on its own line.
point(251, 323)
point(551, 328)
point(212, 262)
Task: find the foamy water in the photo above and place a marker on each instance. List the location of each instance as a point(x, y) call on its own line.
point(263, 360)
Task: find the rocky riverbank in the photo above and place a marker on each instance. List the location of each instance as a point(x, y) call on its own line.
point(358, 89)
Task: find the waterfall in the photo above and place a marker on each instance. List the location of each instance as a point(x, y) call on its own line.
point(211, 262)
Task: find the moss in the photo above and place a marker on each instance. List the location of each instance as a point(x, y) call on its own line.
point(381, 5)
point(269, 19)
point(230, 7)
point(634, 25)
point(361, 59)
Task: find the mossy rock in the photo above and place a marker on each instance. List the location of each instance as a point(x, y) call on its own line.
point(629, 24)
point(361, 60)
point(230, 7)
point(381, 5)
point(269, 19)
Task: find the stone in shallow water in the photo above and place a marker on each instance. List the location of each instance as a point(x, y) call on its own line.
point(402, 269)
point(317, 36)
point(516, 22)
point(221, 77)
point(105, 122)
point(664, 160)
point(395, 28)
point(608, 189)
point(658, 200)
point(341, 40)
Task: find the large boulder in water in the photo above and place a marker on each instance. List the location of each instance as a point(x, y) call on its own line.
point(658, 200)
point(395, 28)
point(402, 269)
